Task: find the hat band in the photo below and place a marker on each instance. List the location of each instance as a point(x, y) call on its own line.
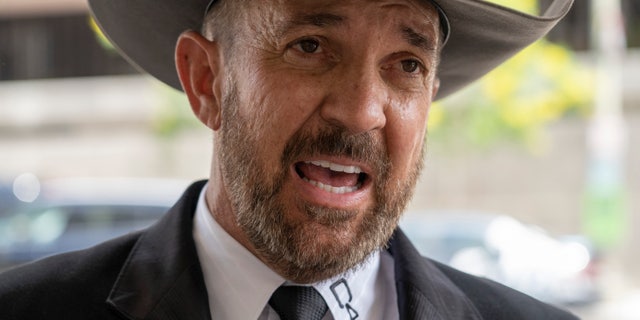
point(444, 21)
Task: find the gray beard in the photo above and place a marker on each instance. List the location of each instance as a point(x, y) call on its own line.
point(290, 248)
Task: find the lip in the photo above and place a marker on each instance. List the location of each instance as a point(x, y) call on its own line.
point(349, 200)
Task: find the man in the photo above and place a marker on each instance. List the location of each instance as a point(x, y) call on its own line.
point(318, 110)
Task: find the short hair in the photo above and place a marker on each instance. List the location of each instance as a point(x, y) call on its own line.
point(220, 23)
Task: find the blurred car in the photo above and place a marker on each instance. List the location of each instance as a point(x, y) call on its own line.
point(504, 249)
point(8, 200)
point(72, 214)
point(6, 197)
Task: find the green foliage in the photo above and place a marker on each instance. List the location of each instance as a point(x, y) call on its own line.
point(526, 6)
point(514, 103)
point(541, 84)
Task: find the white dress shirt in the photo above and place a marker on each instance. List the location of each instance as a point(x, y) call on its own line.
point(239, 285)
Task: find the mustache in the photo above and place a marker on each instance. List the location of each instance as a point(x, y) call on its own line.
point(335, 141)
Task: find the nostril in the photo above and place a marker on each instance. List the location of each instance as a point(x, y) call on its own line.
point(355, 118)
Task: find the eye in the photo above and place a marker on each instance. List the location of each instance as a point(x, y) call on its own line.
point(310, 52)
point(308, 46)
point(410, 66)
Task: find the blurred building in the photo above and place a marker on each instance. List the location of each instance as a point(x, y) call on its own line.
point(52, 39)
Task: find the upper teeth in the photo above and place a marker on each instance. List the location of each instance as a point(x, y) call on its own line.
point(335, 166)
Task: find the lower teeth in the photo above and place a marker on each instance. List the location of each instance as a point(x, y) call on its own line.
point(332, 189)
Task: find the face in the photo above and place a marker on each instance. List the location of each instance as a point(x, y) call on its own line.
point(323, 117)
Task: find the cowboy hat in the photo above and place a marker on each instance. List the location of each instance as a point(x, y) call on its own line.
point(480, 36)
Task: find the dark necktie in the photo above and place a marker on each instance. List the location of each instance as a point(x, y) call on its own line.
point(298, 303)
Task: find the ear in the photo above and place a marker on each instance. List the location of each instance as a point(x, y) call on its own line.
point(198, 62)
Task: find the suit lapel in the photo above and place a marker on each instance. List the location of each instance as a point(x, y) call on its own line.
point(424, 292)
point(162, 278)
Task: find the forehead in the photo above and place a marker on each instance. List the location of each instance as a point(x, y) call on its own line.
point(421, 5)
point(420, 14)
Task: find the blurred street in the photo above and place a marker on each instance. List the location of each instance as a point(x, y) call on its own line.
point(621, 300)
point(625, 306)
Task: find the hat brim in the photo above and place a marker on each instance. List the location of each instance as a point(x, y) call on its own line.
point(482, 34)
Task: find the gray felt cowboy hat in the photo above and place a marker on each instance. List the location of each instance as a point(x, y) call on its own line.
point(480, 35)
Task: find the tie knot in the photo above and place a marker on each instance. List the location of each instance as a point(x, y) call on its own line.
point(297, 303)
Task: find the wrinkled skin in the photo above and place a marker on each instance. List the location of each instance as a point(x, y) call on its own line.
point(342, 84)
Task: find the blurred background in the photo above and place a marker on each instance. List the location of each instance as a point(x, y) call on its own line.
point(530, 178)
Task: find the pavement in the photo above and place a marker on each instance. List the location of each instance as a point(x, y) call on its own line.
point(625, 306)
point(620, 297)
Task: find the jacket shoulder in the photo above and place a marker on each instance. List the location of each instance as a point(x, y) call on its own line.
point(496, 301)
point(65, 286)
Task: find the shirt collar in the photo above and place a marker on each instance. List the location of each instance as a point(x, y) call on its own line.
point(235, 277)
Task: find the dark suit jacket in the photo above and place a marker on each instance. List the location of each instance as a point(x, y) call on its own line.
point(155, 274)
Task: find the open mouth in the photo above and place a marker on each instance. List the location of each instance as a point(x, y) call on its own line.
point(331, 177)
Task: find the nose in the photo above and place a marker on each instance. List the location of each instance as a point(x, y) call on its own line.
point(357, 100)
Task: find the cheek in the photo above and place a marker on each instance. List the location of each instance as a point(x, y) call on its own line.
point(406, 130)
point(277, 105)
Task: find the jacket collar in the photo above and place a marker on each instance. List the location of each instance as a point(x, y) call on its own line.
point(424, 292)
point(162, 278)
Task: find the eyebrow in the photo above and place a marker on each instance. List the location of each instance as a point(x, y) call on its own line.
point(418, 40)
